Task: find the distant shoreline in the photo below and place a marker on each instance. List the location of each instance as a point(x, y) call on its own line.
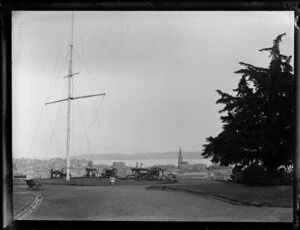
point(152, 162)
point(138, 156)
point(141, 156)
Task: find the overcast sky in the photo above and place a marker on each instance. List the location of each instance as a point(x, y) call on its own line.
point(159, 70)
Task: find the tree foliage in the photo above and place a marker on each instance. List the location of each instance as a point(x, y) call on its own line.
point(259, 120)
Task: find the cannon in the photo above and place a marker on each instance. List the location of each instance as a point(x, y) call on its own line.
point(151, 174)
point(109, 172)
point(57, 174)
point(90, 172)
point(137, 173)
point(155, 173)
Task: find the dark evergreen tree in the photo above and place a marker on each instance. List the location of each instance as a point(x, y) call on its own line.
point(259, 121)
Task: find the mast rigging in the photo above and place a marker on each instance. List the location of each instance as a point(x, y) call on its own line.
point(69, 99)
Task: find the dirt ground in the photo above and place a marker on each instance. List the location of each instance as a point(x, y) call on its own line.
point(21, 200)
point(137, 203)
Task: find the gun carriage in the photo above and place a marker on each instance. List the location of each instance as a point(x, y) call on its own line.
point(151, 174)
point(58, 174)
point(109, 172)
point(90, 172)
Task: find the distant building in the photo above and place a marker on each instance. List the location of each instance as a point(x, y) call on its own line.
point(14, 167)
point(180, 158)
point(183, 164)
point(213, 172)
point(167, 167)
point(218, 172)
point(200, 167)
point(186, 166)
point(29, 172)
point(121, 167)
point(59, 165)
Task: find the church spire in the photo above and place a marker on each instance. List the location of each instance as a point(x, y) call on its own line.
point(180, 157)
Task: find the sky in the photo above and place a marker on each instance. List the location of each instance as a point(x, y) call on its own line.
point(159, 70)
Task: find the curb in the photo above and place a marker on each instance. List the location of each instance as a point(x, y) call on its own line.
point(234, 202)
point(26, 211)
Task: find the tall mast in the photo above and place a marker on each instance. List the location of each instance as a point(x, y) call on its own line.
point(69, 99)
point(69, 104)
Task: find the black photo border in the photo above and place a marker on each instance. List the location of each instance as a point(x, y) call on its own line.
point(7, 7)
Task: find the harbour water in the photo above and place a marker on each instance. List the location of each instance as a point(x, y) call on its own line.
point(151, 162)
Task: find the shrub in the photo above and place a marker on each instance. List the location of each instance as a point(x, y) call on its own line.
point(256, 175)
point(236, 175)
point(286, 178)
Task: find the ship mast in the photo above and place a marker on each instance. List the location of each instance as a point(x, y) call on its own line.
point(69, 99)
point(69, 104)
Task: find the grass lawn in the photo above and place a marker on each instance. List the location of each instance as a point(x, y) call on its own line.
point(273, 196)
point(21, 200)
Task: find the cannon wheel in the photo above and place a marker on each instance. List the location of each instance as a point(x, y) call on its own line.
point(135, 174)
point(142, 177)
point(154, 175)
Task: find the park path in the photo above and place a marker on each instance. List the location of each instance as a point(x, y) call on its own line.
point(25, 211)
point(136, 203)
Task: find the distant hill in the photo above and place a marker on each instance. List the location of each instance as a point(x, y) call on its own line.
point(141, 156)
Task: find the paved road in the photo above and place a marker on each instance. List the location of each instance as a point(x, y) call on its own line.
point(137, 203)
